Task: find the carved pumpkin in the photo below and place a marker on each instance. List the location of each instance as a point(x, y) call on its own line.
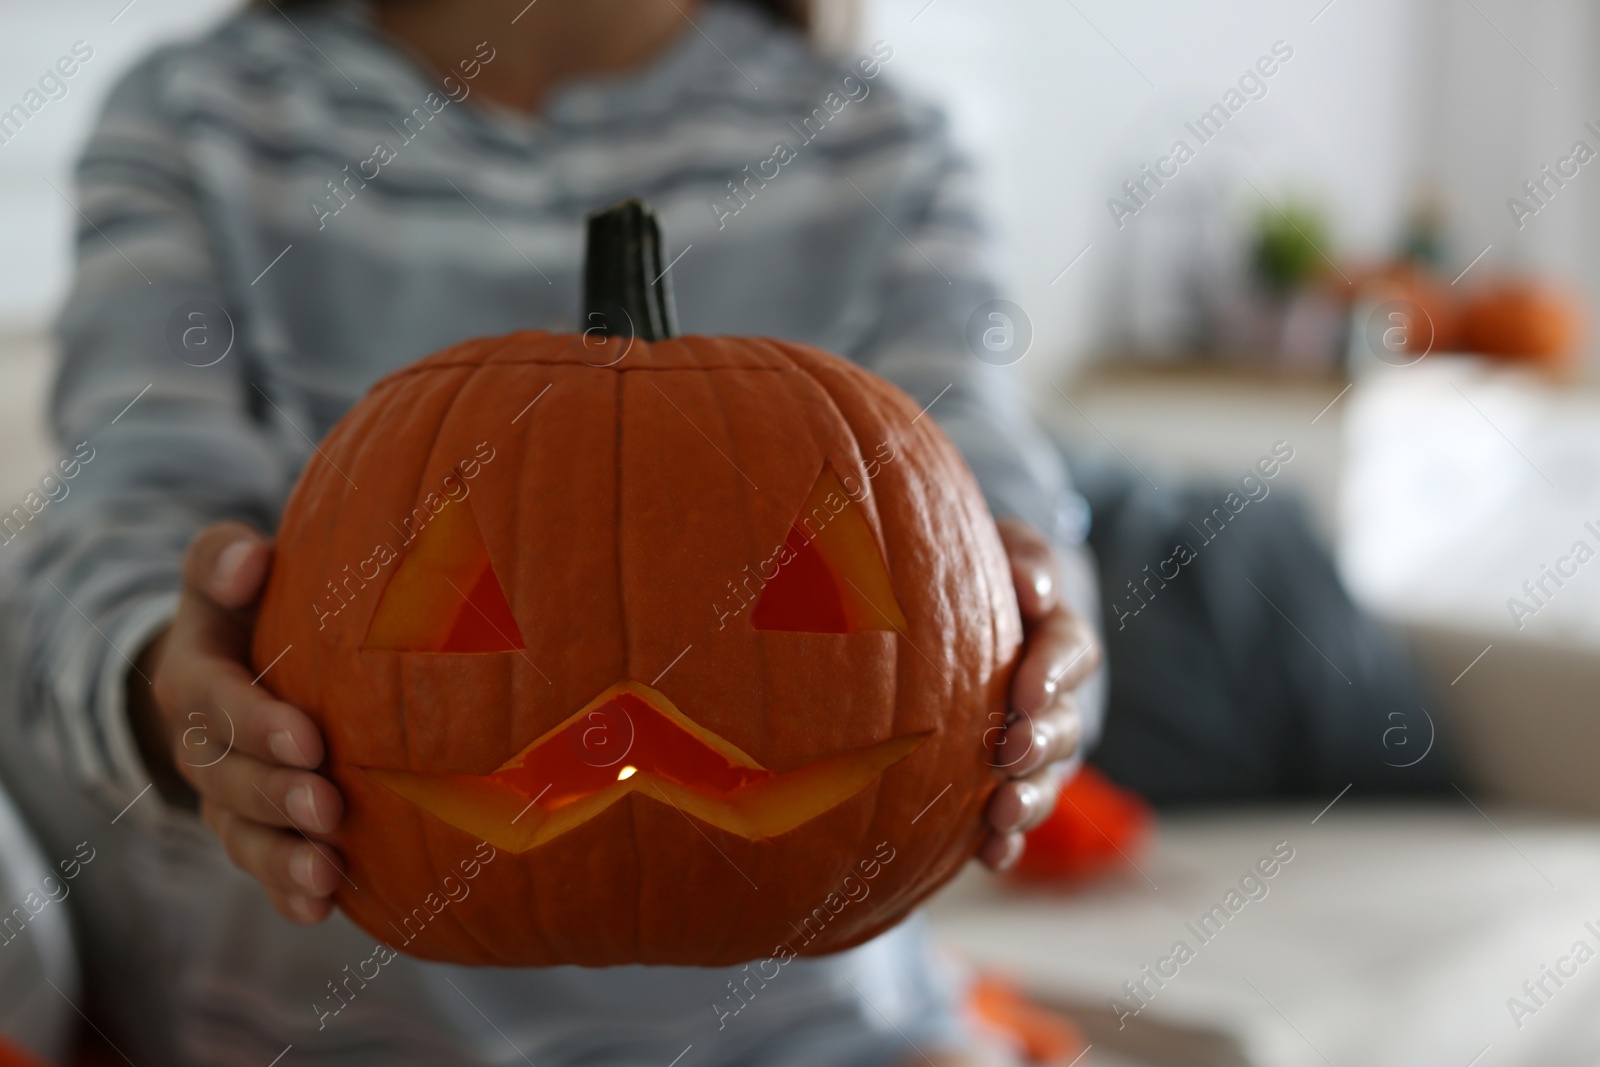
point(633, 649)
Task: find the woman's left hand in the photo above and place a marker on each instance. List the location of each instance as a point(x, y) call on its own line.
point(1059, 653)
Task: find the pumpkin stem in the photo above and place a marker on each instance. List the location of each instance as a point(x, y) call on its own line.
point(625, 288)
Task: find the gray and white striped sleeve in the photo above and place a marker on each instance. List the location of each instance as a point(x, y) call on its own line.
point(938, 277)
point(174, 446)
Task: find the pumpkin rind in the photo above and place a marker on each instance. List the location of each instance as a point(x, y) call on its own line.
point(620, 511)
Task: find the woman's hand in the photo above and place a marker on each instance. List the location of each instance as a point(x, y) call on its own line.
point(247, 755)
point(1059, 653)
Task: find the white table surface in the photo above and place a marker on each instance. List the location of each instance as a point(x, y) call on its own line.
point(1394, 937)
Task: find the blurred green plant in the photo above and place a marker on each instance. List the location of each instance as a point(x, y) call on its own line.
point(1287, 250)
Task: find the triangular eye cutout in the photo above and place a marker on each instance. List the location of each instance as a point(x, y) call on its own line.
point(831, 577)
point(445, 596)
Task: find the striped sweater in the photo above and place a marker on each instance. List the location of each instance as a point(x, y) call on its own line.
point(277, 214)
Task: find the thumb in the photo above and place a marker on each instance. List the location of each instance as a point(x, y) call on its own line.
point(227, 564)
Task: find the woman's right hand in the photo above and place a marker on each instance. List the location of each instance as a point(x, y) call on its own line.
point(257, 791)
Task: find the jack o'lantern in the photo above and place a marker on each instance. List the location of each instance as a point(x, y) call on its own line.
point(638, 649)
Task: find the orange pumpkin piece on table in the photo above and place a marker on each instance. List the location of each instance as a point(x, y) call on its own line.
point(1525, 320)
point(1096, 826)
point(632, 648)
point(1038, 1034)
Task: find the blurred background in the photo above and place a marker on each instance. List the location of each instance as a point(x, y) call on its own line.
point(1379, 245)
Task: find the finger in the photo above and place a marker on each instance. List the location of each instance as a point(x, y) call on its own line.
point(1060, 654)
point(276, 796)
point(295, 905)
point(299, 908)
point(206, 685)
point(229, 714)
point(1000, 851)
point(223, 570)
point(1034, 570)
point(1032, 742)
point(227, 564)
point(1021, 803)
point(285, 862)
point(1043, 802)
point(212, 702)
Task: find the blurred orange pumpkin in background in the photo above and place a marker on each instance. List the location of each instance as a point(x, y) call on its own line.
point(1525, 320)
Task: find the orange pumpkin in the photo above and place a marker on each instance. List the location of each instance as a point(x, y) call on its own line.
point(1524, 320)
point(634, 649)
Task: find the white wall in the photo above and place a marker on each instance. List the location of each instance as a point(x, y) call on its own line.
point(1380, 94)
point(36, 226)
point(1512, 87)
point(1058, 120)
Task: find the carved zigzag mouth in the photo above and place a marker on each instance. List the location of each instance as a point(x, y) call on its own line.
point(632, 739)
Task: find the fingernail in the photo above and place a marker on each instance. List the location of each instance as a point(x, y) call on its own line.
point(1031, 797)
point(283, 746)
point(303, 870)
point(1014, 846)
point(1041, 739)
point(229, 560)
point(1024, 807)
point(302, 804)
point(1042, 584)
